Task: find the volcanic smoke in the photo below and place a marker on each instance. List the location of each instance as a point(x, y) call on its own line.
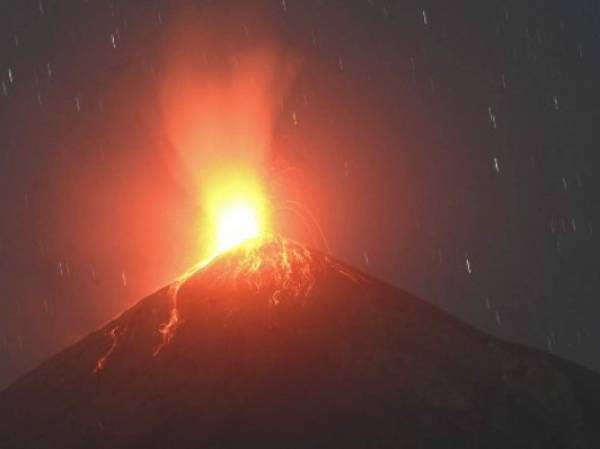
point(219, 109)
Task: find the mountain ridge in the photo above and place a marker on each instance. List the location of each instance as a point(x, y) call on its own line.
point(277, 345)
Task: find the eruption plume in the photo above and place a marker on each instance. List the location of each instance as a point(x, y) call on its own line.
point(219, 103)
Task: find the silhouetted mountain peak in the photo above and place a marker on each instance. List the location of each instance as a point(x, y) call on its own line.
point(274, 344)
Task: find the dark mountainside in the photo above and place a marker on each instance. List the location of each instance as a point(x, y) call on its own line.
point(276, 346)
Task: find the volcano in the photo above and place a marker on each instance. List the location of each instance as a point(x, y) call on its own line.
point(274, 345)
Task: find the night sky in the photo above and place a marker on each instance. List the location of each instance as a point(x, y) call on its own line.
point(450, 148)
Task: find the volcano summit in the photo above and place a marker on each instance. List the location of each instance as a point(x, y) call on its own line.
point(274, 345)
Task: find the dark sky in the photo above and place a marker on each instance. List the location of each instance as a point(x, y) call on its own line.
point(450, 148)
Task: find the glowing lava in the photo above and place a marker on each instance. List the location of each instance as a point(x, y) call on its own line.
point(280, 271)
point(237, 222)
point(283, 269)
point(235, 210)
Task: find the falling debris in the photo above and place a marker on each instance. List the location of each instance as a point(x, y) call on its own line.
point(496, 165)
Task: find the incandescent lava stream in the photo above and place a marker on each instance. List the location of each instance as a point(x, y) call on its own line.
point(275, 345)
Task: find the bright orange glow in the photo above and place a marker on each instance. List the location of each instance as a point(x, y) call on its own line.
point(220, 102)
point(237, 222)
point(235, 209)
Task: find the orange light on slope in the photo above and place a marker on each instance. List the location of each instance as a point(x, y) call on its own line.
point(234, 211)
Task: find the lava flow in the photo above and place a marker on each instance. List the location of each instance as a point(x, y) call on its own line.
point(101, 363)
point(235, 211)
point(268, 263)
point(277, 270)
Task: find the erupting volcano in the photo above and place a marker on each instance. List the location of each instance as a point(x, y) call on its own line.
point(268, 343)
point(273, 344)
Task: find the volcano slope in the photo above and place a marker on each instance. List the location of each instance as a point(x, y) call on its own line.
point(273, 345)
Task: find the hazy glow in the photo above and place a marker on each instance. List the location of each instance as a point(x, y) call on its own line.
point(219, 116)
